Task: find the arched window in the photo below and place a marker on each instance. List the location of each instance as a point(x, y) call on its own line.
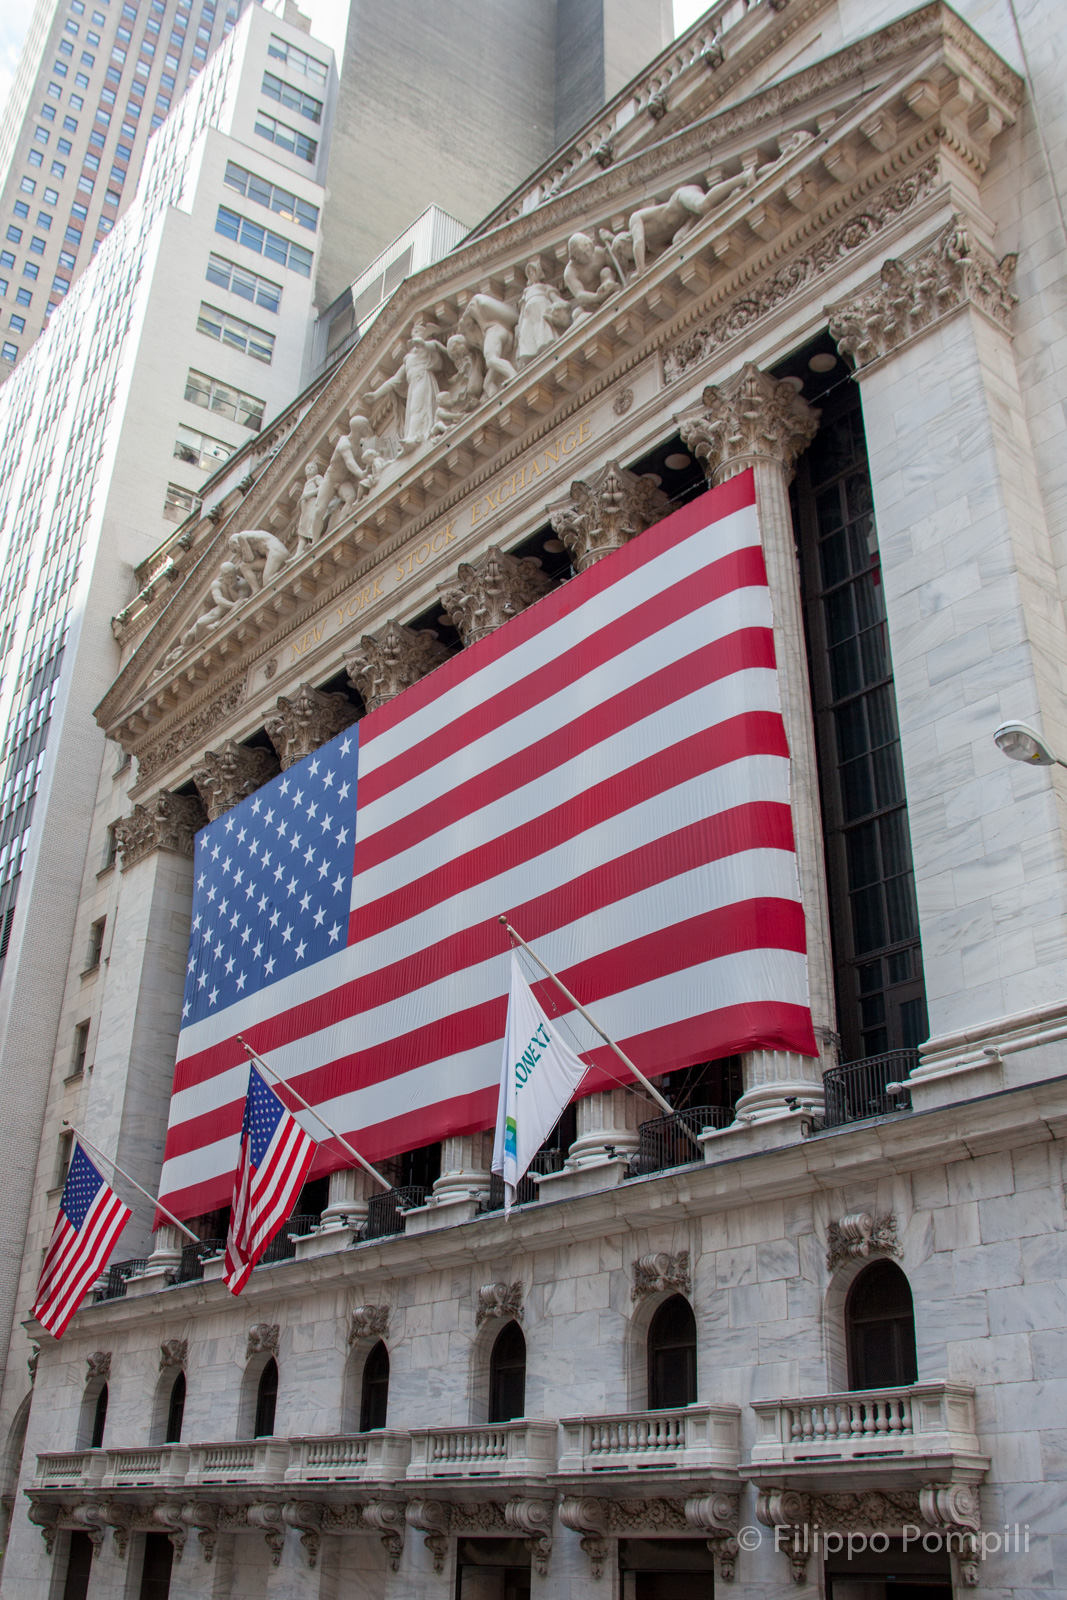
point(880, 1328)
point(507, 1375)
point(175, 1411)
point(96, 1438)
point(374, 1393)
point(672, 1355)
point(266, 1401)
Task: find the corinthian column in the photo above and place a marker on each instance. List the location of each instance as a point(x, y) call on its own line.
point(490, 591)
point(754, 420)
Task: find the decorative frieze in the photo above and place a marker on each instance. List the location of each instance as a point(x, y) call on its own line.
point(912, 295)
point(262, 1339)
point(387, 662)
point(750, 417)
point(173, 1353)
point(306, 720)
point(231, 774)
point(858, 1235)
point(605, 511)
point(490, 591)
point(368, 1322)
point(165, 822)
point(661, 1273)
point(499, 1300)
point(190, 731)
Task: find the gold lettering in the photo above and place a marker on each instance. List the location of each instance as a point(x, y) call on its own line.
point(573, 437)
point(493, 504)
point(400, 572)
point(421, 554)
point(449, 535)
point(583, 432)
point(535, 471)
point(340, 616)
point(364, 599)
point(377, 588)
point(476, 511)
point(551, 453)
point(435, 547)
point(505, 492)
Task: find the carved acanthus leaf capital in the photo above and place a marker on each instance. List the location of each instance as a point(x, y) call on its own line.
point(385, 663)
point(490, 591)
point(605, 511)
point(751, 417)
point(913, 295)
point(231, 774)
point(306, 720)
point(165, 822)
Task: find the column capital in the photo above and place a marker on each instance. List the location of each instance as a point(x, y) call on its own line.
point(751, 417)
point(232, 773)
point(384, 663)
point(491, 590)
point(305, 721)
point(914, 293)
point(603, 512)
point(165, 822)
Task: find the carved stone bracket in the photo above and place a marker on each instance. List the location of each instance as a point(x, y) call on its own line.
point(231, 774)
point(954, 1509)
point(166, 822)
point(534, 1519)
point(31, 1363)
point(751, 417)
point(385, 663)
point(173, 1353)
point(585, 1515)
point(858, 1235)
point(98, 1365)
point(306, 1517)
point(490, 591)
point(605, 511)
point(498, 1300)
point(387, 1518)
point(169, 1517)
point(660, 1272)
point(262, 1339)
point(267, 1516)
point(204, 1518)
point(307, 720)
point(717, 1516)
point(368, 1322)
point(912, 295)
point(431, 1518)
point(45, 1514)
point(89, 1518)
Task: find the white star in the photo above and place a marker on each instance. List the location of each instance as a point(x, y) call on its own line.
point(268, 966)
point(192, 964)
point(201, 982)
point(342, 835)
point(215, 853)
point(250, 892)
point(224, 906)
point(185, 1010)
point(218, 950)
point(309, 856)
point(298, 797)
point(312, 808)
point(196, 920)
point(229, 966)
point(268, 815)
point(200, 882)
point(314, 767)
point(211, 892)
point(301, 947)
point(234, 920)
point(338, 883)
point(305, 902)
point(327, 822)
point(279, 873)
point(240, 980)
point(287, 932)
point(266, 858)
point(257, 949)
point(292, 885)
point(294, 842)
point(246, 934)
point(241, 836)
point(213, 996)
point(274, 918)
point(334, 931)
point(261, 903)
point(229, 824)
point(327, 781)
point(226, 864)
point(238, 875)
point(256, 803)
point(324, 868)
point(320, 913)
point(283, 787)
point(342, 793)
point(347, 744)
point(281, 827)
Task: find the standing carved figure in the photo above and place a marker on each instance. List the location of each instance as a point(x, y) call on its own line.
point(543, 315)
point(590, 275)
point(346, 474)
point(465, 387)
point(656, 227)
point(489, 324)
point(416, 381)
point(259, 556)
point(305, 523)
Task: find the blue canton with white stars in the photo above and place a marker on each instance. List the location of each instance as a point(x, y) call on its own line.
point(272, 881)
point(81, 1188)
point(263, 1112)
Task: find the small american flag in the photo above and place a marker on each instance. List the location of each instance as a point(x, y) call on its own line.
point(275, 1156)
point(91, 1217)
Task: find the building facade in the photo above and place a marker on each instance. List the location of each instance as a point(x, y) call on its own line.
point(805, 1335)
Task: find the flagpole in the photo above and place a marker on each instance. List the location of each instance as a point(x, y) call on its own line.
point(608, 1040)
point(317, 1115)
point(111, 1162)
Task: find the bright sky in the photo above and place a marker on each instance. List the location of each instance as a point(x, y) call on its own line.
point(328, 19)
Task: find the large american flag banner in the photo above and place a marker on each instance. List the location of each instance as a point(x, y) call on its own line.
point(91, 1217)
point(609, 768)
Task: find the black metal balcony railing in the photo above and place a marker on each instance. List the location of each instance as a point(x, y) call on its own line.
point(385, 1212)
point(857, 1090)
point(117, 1275)
point(544, 1161)
point(672, 1141)
point(191, 1268)
point(281, 1247)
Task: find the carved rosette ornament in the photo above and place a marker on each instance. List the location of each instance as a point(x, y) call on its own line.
point(262, 1339)
point(368, 1322)
point(231, 774)
point(385, 663)
point(661, 1273)
point(499, 1300)
point(173, 1353)
point(490, 591)
point(605, 511)
point(306, 720)
point(752, 417)
point(858, 1235)
point(166, 822)
point(912, 295)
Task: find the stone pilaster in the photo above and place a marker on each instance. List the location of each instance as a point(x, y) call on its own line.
point(490, 591)
point(165, 822)
point(754, 420)
point(307, 720)
point(231, 774)
point(385, 663)
point(604, 512)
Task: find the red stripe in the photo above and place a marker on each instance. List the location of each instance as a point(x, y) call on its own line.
point(750, 925)
point(740, 569)
point(692, 519)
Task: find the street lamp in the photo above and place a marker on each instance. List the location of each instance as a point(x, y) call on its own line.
point(1020, 742)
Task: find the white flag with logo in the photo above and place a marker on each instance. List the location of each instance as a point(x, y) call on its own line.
point(539, 1076)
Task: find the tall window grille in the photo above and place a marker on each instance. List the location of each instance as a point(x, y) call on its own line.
point(881, 1001)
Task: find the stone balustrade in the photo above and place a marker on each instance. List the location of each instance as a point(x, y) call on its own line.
point(504, 1448)
point(924, 1419)
point(349, 1458)
point(700, 1437)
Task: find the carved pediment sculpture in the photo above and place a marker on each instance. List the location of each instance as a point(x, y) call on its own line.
point(262, 1339)
point(499, 1300)
point(306, 720)
point(229, 588)
point(655, 227)
point(488, 324)
point(605, 511)
point(354, 468)
point(415, 383)
point(384, 663)
point(543, 315)
point(231, 774)
point(258, 555)
point(165, 822)
point(489, 591)
point(465, 386)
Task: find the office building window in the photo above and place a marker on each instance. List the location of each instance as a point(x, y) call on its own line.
point(44, 220)
point(285, 138)
point(21, 208)
point(85, 184)
point(265, 243)
point(17, 324)
point(58, 169)
point(77, 102)
point(224, 399)
point(297, 60)
point(9, 351)
point(28, 186)
point(71, 124)
point(4, 286)
point(179, 503)
point(59, 285)
point(95, 947)
point(31, 270)
point(34, 158)
point(66, 260)
point(23, 297)
point(238, 335)
point(7, 258)
point(82, 80)
point(37, 245)
point(81, 1046)
point(305, 105)
point(249, 285)
point(200, 450)
point(14, 234)
point(276, 199)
